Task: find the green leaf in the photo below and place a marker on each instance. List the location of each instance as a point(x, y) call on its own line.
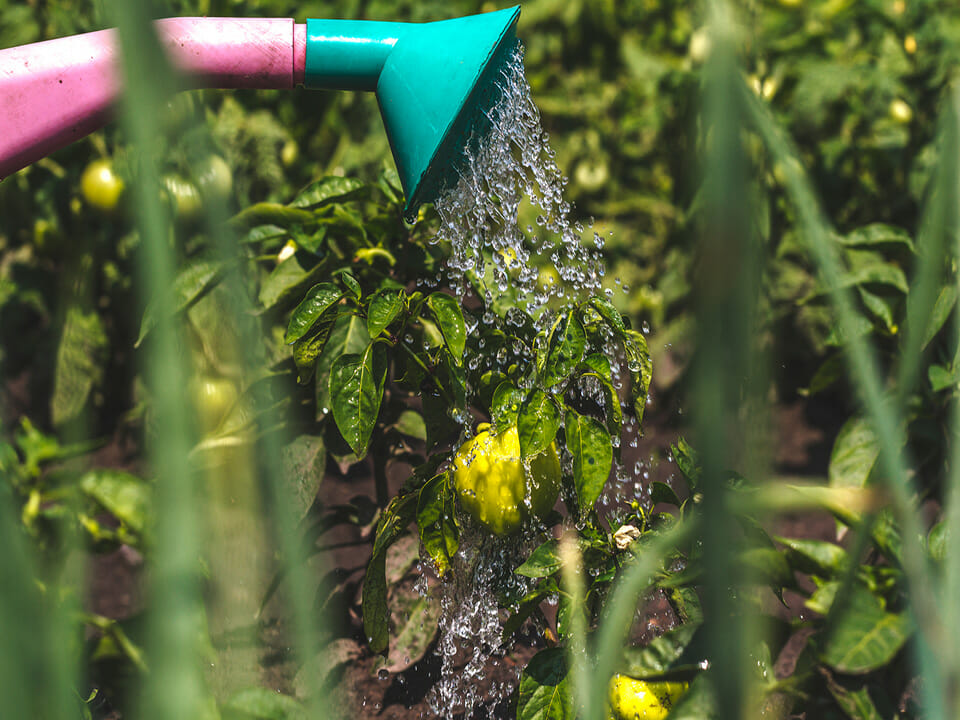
point(411, 424)
point(446, 309)
point(349, 335)
point(640, 365)
point(816, 557)
point(941, 378)
point(545, 689)
point(505, 406)
point(123, 495)
point(188, 286)
point(383, 308)
point(942, 308)
point(855, 452)
point(599, 368)
point(352, 284)
point(609, 313)
point(589, 444)
point(290, 278)
point(327, 190)
point(260, 703)
point(307, 349)
point(688, 461)
point(436, 522)
point(862, 636)
point(543, 562)
point(659, 656)
point(877, 234)
point(662, 493)
point(395, 518)
point(318, 301)
point(303, 462)
point(565, 349)
point(81, 357)
point(537, 423)
point(356, 389)
point(853, 698)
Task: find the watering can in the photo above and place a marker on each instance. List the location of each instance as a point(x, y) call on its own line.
point(435, 82)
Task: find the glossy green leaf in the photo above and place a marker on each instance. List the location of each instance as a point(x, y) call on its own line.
point(589, 444)
point(446, 309)
point(437, 523)
point(662, 493)
point(565, 349)
point(640, 365)
point(543, 562)
point(348, 336)
point(688, 461)
point(506, 403)
point(308, 348)
point(877, 234)
point(320, 299)
point(356, 389)
point(383, 309)
point(327, 190)
point(610, 314)
point(599, 368)
point(537, 423)
point(545, 688)
point(946, 301)
point(353, 285)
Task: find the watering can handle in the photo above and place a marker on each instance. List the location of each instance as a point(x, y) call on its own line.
point(57, 91)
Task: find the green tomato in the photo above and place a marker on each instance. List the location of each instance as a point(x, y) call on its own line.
point(214, 179)
point(638, 700)
point(184, 197)
point(100, 186)
point(213, 397)
point(493, 486)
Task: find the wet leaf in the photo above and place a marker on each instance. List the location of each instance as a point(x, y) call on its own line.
point(327, 190)
point(659, 656)
point(384, 307)
point(589, 444)
point(320, 299)
point(543, 562)
point(640, 365)
point(356, 389)
point(537, 423)
point(307, 349)
point(599, 368)
point(446, 309)
point(545, 689)
point(565, 349)
point(436, 522)
point(663, 493)
point(505, 406)
point(349, 335)
point(688, 462)
point(610, 314)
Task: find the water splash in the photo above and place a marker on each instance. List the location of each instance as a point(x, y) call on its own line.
point(471, 623)
point(511, 165)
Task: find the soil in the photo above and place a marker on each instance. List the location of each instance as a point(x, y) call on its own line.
point(803, 434)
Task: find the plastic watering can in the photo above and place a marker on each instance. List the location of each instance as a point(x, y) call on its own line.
point(434, 81)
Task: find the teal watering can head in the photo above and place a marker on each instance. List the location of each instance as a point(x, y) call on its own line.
point(435, 84)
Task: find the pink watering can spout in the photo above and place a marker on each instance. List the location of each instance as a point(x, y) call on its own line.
point(55, 92)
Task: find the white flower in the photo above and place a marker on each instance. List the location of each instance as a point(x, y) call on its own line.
point(624, 536)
